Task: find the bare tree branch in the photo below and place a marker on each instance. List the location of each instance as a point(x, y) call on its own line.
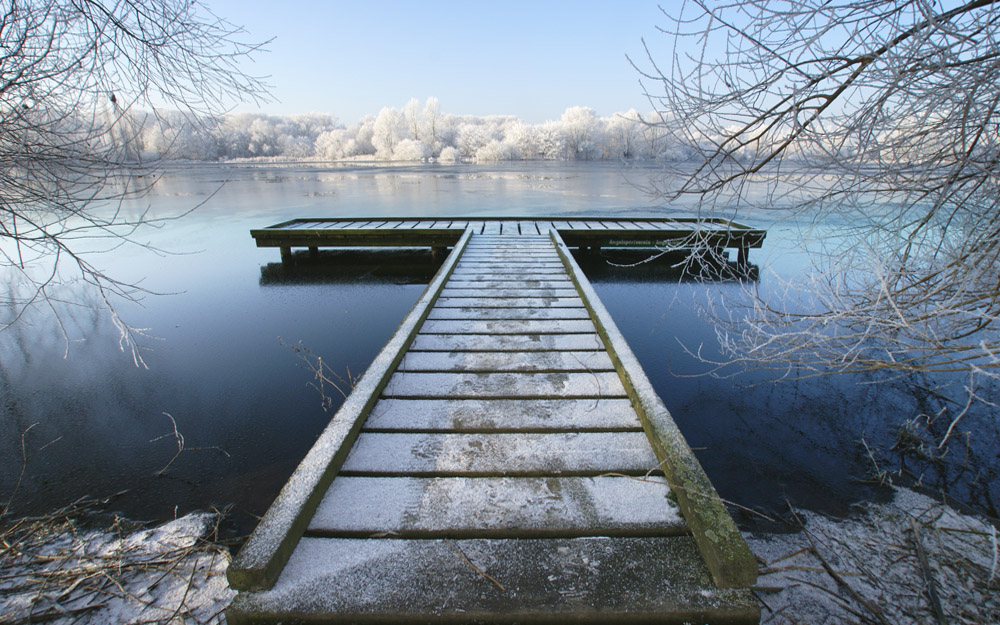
point(878, 121)
point(72, 72)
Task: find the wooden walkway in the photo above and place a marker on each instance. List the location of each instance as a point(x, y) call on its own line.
point(504, 459)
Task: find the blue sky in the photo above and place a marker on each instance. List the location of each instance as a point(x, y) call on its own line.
point(530, 59)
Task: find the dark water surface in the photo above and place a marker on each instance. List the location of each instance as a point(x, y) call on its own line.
point(222, 364)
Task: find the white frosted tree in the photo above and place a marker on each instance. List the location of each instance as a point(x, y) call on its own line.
point(450, 154)
point(411, 150)
point(582, 133)
point(474, 135)
point(624, 135)
point(412, 117)
point(522, 137)
point(430, 124)
point(333, 144)
point(388, 130)
point(551, 140)
point(363, 133)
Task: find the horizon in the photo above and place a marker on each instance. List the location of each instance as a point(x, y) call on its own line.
point(530, 60)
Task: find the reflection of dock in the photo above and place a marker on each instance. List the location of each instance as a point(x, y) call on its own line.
point(504, 459)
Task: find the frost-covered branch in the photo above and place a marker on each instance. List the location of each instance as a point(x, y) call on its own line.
point(879, 118)
point(72, 74)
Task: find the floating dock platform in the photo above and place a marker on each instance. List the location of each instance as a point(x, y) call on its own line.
point(503, 460)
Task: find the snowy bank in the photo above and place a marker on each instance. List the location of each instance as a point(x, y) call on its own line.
point(911, 560)
point(865, 569)
point(51, 571)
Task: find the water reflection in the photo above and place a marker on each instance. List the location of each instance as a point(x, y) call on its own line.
point(652, 266)
point(399, 266)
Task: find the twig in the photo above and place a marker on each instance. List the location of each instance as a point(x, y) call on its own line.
point(180, 444)
point(840, 580)
point(472, 564)
point(996, 557)
point(24, 465)
point(928, 577)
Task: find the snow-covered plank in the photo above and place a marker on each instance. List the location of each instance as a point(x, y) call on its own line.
point(646, 225)
point(506, 361)
point(515, 507)
point(511, 283)
point(468, 312)
point(507, 342)
point(484, 385)
point(528, 227)
point(509, 302)
point(553, 580)
point(521, 267)
point(477, 415)
point(508, 454)
point(529, 256)
point(504, 273)
point(507, 326)
point(450, 292)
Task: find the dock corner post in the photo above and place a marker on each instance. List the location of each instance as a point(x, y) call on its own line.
point(286, 254)
point(742, 256)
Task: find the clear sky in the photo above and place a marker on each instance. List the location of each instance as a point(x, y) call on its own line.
point(532, 59)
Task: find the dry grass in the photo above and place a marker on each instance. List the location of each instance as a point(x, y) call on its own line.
point(53, 570)
point(912, 560)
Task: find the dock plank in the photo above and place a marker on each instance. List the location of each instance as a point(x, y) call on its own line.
point(512, 283)
point(510, 507)
point(509, 302)
point(506, 361)
point(467, 275)
point(508, 326)
point(489, 415)
point(525, 292)
point(511, 454)
point(566, 385)
point(507, 342)
point(468, 312)
point(554, 580)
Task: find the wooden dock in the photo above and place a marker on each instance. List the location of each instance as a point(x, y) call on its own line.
point(503, 460)
point(675, 233)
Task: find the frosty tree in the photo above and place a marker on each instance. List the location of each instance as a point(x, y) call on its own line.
point(886, 114)
point(70, 73)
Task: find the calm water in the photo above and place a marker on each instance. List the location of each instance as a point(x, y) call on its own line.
point(222, 366)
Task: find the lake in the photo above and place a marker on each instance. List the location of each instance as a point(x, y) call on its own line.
point(227, 322)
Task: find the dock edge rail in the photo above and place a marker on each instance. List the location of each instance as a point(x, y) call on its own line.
point(723, 548)
point(262, 558)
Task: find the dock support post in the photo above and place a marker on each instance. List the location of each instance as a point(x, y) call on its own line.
point(314, 251)
point(438, 252)
point(286, 254)
point(741, 256)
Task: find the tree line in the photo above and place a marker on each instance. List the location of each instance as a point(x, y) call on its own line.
point(415, 132)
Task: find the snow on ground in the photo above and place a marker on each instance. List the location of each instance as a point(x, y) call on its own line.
point(52, 571)
point(865, 569)
point(868, 569)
